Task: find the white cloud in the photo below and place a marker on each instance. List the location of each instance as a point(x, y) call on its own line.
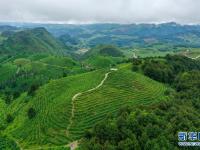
point(116, 11)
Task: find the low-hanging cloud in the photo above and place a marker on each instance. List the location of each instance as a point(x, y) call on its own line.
point(101, 11)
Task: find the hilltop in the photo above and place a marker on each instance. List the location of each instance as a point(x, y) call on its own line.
point(103, 56)
point(31, 41)
point(104, 50)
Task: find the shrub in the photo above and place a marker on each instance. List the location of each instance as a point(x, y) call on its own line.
point(9, 118)
point(32, 89)
point(8, 99)
point(31, 113)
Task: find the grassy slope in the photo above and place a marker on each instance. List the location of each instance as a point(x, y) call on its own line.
point(53, 105)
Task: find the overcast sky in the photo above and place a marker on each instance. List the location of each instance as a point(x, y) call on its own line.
point(101, 11)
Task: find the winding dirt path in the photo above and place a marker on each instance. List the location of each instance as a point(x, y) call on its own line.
point(80, 93)
point(73, 145)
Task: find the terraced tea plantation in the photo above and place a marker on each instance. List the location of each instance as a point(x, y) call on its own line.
point(123, 87)
point(52, 103)
point(61, 117)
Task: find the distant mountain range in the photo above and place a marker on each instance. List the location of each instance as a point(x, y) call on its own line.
point(163, 37)
point(123, 35)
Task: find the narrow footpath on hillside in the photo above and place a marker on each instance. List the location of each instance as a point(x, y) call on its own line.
point(73, 145)
point(80, 93)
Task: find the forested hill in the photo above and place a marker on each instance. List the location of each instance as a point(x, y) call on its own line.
point(104, 50)
point(37, 40)
point(154, 127)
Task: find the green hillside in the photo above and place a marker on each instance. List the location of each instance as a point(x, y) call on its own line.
point(60, 119)
point(153, 126)
point(31, 41)
point(102, 61)
point(59, 61)
point(103, 56)
point(104, 50)
point(52, 104)
point(27, 74)
point(122, 87)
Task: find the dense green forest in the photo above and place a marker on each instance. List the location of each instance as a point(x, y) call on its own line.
point(155, 126)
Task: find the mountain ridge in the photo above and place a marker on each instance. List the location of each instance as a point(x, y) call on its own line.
point(37, 40)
